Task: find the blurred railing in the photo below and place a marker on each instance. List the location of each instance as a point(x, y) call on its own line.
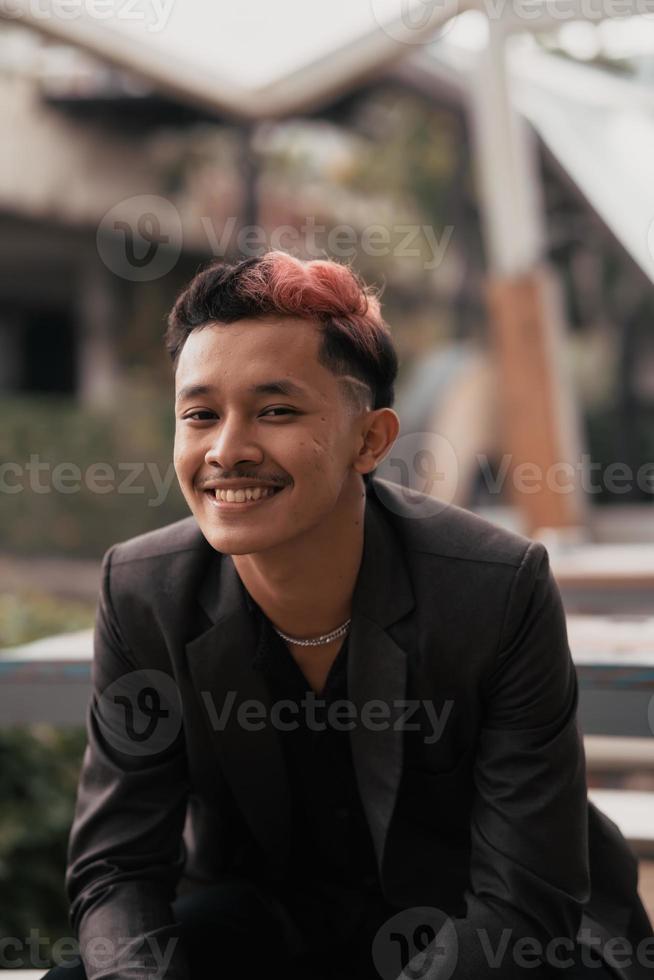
point(48, 681)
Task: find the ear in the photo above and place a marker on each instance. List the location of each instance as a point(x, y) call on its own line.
point(379, 430)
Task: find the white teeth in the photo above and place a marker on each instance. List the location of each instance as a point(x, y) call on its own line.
point(242, 494)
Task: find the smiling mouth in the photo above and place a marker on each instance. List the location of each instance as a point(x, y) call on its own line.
point(241, 499)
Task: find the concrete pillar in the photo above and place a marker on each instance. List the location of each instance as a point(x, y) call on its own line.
point(538, 412)
point(537, 406)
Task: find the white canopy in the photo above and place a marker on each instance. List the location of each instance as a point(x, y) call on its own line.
point(267, 58)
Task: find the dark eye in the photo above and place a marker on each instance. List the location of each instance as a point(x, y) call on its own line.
point(285, 411)
point(194, 416)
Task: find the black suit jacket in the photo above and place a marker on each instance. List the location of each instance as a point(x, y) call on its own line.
point(488, 822)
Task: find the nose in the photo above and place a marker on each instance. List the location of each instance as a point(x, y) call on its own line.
point(232, 445)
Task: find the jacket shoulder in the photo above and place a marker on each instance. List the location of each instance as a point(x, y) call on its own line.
point(432, 526)
point(183, 535)
point(150, 582)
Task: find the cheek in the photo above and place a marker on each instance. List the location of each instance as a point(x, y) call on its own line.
point(331, 432)
point(324, 461)
point(307, 457)
point(330, 444)
point(321, 454)
point(185, 454)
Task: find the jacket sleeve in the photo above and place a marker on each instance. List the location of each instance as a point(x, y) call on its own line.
point(125, 850)
point(529, 873)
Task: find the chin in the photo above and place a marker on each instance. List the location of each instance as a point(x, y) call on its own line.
point(240, 541)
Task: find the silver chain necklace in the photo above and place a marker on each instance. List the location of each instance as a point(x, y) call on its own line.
point(319, 640)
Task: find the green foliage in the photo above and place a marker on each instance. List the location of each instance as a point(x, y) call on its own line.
point(39, 769)
point(420, 151)
point(117, 478)
point(28, 616)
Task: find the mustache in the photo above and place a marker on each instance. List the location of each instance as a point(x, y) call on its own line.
point(258, 478)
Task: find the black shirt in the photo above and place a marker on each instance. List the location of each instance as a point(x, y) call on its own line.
point(330, 835)
point(332, 861)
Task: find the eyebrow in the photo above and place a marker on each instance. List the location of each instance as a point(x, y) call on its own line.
point(280, 386)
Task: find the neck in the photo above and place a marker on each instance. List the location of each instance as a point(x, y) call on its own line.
point(305, 587)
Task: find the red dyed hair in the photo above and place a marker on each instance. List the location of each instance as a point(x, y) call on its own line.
point(355, 339)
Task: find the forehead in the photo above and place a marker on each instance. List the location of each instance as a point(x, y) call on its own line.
point(239, 352)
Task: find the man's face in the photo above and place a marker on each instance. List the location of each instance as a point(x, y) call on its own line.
point(301, 442)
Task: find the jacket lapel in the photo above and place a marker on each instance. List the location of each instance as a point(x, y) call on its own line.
point(220, 663)
point(250, 753)
point(377, 670)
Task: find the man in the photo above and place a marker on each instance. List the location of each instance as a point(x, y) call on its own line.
point(333, 732)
